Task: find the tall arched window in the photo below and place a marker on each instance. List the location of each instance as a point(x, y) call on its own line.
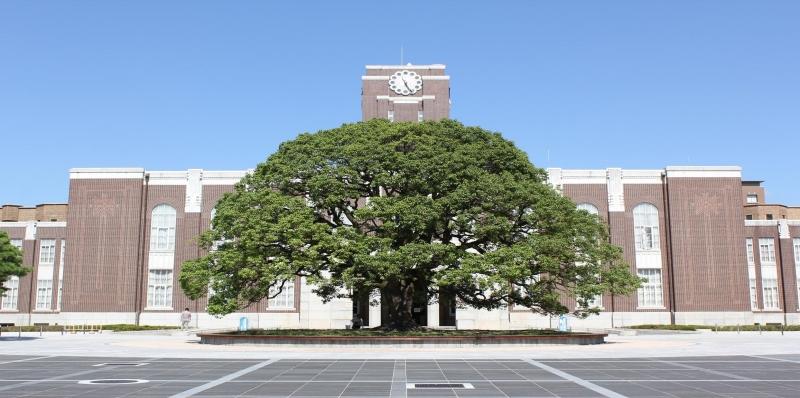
point(645, 225)
point(588, 207)
point(162, 257)
point(648, 255)
point(162, 228)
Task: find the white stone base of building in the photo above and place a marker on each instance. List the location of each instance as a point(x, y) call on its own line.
point(337, 314)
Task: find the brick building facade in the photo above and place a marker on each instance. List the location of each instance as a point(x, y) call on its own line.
point(700, 236)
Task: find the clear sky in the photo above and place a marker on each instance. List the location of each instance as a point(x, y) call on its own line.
point(218, 85)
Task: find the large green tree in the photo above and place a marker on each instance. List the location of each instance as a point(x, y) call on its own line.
point(410, 210)
point(10, 261)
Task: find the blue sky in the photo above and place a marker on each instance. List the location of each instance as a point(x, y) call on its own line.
point(218, 85)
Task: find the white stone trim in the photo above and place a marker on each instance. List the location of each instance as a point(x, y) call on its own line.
point(793, 223)
point(583, 177)
point(386, 78)
point(616, 190)
point(554, 179)
point(642, 176)
point(51, 224)
point(704, 171)
point(783, 229)
point(106, 173)
point(408, 66)
point(230, 177)
point(14, 224)
point(760, 223)
point(30, 231)
point(167, 177)
point(194, 191)
point(402, 100)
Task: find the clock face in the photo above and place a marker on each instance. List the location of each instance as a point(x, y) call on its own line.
point(405, 82)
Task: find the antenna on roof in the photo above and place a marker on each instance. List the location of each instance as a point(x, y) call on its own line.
point(401, 54)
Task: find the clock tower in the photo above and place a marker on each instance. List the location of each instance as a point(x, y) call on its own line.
point(405, 93)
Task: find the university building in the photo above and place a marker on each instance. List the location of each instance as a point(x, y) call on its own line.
point(710, 247)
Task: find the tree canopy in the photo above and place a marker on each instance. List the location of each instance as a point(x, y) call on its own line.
point(407, 209)
point(10, 261)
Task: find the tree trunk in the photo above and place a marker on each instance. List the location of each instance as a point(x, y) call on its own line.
point(398, 296)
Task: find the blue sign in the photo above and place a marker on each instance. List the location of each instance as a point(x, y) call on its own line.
point(243, 324)
point(563, 323)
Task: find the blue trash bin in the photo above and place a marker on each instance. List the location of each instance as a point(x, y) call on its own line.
point(563, 323)
point(243, 324)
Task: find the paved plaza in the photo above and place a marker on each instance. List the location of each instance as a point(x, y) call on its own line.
point(728, 376)
point(723, 365)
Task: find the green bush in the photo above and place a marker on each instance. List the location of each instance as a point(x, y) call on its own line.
point(397, 333)
point(729, 328)
point(667, 327)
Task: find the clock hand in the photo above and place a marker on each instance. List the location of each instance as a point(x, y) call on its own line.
point(406, 84)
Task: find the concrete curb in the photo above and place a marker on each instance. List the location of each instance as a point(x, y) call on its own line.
point(416, 341)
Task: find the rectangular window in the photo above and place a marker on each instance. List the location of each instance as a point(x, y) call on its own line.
point(769, 216)
point(766, 247)
point(17, 243)
point(47, 251)
point(748, 217)
point(162, 239)
point(390, 116)
point(651, 293)
point(796, 244)
point(61, 274)
point(752, 198)
point(44, 294)
point(420, 116)
point(285, 299)
point(770, 287)
point(753, 294)
point(751, 258)
point(596, 302)
point(159, 289)
point(647, 238)
point(11, 295)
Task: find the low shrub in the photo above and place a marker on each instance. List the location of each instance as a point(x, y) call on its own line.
point(397, 333)
point(728, 328)
point(666, 327)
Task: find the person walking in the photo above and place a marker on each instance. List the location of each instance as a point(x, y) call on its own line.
point(186, 317)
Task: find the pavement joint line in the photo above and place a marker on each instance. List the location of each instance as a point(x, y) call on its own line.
point(352, 378)
point(486, 378)
point(398, 387)
point(774, 359)
point(26, 359)
point(62, 377)
point(577, 380)
point(699, 369)
point(223, 379)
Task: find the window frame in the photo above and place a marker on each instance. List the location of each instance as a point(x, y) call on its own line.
point(161, 285)
point(9, 301)
point(770, 258)
point(44, 295)
point(647, 227)
point(650, 289)
point(286, 301)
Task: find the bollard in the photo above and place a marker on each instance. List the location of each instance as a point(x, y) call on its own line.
point(41, 328)
point(781, 329)
point(19, 332)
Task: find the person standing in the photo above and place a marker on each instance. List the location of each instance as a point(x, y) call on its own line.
point(186, 317)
